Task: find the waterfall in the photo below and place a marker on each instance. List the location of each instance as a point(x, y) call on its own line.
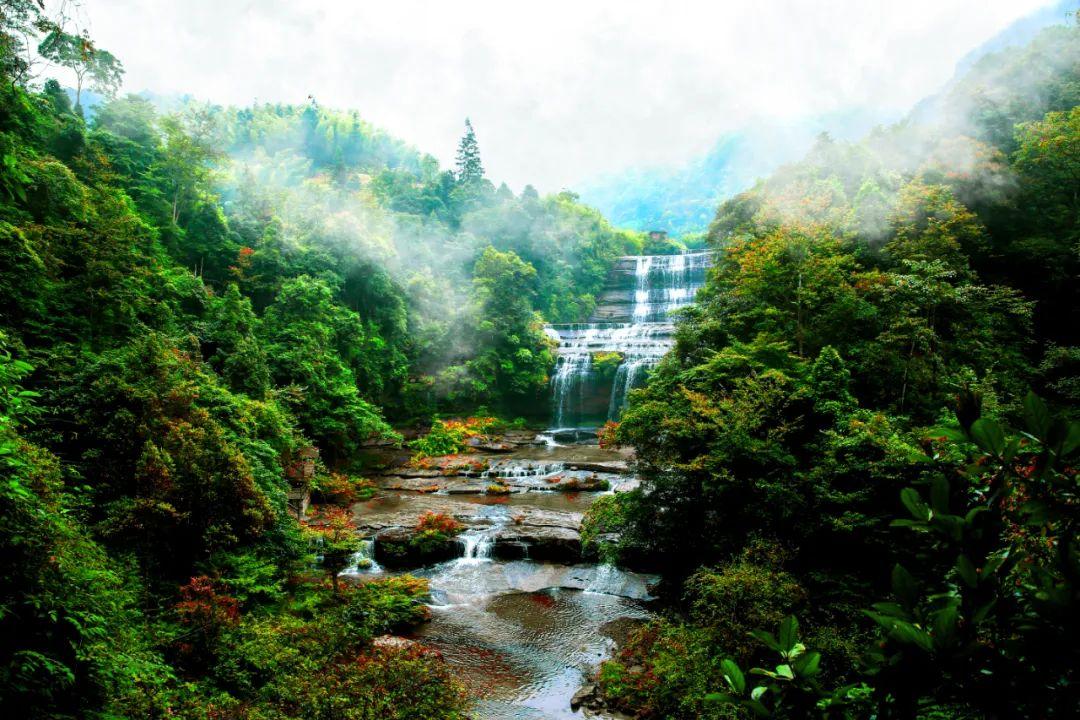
point(363, 560)
point(633, 319)
point(478, 544)
point(521, 469)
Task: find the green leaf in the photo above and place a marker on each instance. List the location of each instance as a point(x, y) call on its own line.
point(719, 697)
point(757, 692)
point(809, 664)
point(949, 433)
point(989, 436)
point(733, 675)
point(768, 639)
point(939, 495)
point(904, 587)
point(914, 503)
point(1036, 416)
point(984, 611)
point(789, 634)
point(966, 570)
point(945, 625)
point(757, 708)
point(1072, 439)
point(785, 671)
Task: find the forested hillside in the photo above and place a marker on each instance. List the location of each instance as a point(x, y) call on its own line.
point(861, 453)
point(858, 464)
point(189, 303)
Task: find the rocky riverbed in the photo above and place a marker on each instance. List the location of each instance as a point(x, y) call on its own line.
point(514, 608)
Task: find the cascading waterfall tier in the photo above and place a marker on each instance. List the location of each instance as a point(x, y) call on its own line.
point(599, 362)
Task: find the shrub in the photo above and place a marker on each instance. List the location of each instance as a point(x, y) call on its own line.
point(433, 522)
point(607, 435)
point(605, 515)
point(387, 605)
point(449, 437)
point(730, 599)
point(665, 670)
point(341, 489)
point(605, 364)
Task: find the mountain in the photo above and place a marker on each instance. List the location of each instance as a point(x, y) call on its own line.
point(683, 198)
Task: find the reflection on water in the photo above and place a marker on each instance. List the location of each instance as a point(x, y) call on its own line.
point(524, 655)
point(388, 501)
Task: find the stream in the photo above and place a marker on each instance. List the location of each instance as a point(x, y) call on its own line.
point(522, 635)
point(517, 615)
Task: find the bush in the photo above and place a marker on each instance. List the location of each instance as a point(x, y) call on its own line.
point(449, 437)
point(665, 670)
point(341, 489)
point(606, 515)
point(731, 599)
point(387, 605)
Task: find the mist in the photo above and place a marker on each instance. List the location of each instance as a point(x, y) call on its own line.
point(559, 94)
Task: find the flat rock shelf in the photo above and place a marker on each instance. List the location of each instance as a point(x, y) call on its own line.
point(517, 613)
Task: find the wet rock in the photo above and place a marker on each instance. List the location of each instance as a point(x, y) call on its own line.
point(398, 548)
point(539, 542)
point(588, 696)
point(393, 642)
point(491, 446)
point(465, 488)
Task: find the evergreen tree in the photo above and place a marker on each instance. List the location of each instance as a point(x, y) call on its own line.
point(469, 168)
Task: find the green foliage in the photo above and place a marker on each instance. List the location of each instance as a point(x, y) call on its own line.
point(469, 168)
point(791, 687)
point(1000, 567)
point(856, 296)
point(742, 594)
point(511, 369)
point(88, 63)
point(665, 670)
point(605, 516)
point(450, 437)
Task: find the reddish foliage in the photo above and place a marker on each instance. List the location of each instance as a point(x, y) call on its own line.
point(438, 522)
point(202, 605)
point(330, 522)
point(606, 434)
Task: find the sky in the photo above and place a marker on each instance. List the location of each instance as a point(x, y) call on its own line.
point(558, 92)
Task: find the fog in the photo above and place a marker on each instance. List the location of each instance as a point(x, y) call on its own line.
point(559, 92)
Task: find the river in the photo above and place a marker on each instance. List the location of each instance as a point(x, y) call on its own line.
point(523, 622)
point(523, 634)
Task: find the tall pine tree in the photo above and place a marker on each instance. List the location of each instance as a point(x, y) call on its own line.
point(469, 168)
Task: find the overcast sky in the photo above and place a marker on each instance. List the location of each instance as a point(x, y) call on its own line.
point(558, 91)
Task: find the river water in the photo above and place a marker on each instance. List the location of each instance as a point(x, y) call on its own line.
point(521, 635)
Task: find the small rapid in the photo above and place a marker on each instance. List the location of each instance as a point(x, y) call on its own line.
point(520, 617)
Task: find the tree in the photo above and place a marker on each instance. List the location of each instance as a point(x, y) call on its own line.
point(305, 333)
point(186, 157)
point(19, 20)
point(469, 168)
point(89, 63)
point(337, 540)
point(515, 359)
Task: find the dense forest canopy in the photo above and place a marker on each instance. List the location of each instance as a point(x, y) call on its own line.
point(191, 300)
point(868, 421)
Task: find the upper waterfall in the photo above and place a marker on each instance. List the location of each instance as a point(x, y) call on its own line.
point(599, 362)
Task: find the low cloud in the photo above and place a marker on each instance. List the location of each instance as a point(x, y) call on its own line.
point(558, 91)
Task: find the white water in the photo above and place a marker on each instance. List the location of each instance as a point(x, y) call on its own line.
point(513, 469)
point(662, 284)
point(478, 544)
point(363, 560)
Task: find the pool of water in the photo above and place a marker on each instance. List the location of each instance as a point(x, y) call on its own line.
point(522, 655)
